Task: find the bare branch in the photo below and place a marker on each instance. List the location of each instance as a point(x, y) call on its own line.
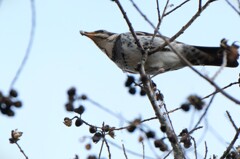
point(206, 150)
point(233, 7)
point(29, 46)
point(124, 151)
point(217, 91)
point(21, 150)
point(151, 94)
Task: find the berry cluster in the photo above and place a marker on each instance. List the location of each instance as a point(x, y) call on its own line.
point(159, 143)
point(131, 85)
point(195, 101)
point(7, 103)
point(72, 97)
point(185, 138)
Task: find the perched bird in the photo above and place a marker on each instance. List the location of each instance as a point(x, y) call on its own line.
point(123, 51)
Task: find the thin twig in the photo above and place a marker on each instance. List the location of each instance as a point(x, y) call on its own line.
point(206, 150)
point(195, 147)
point(224, 64)
point(21, 150)
point(199, 5)
point(230, 146)
point(180, 5)
point(129, 151)
point(181, 31)
point(233, 7)
point(105, 109)
point(205, 112)
point(108, 147)
point(200, 127)
point(29, 46)
point(168, 154)
point(100, 152)
point(231, 120)
point(124, 151)
point(217, 91)
point(143, 148)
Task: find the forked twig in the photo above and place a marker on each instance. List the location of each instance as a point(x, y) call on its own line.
point(180, 5)
point(230, 146)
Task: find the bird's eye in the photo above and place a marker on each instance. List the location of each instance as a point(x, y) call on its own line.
point(100, 31)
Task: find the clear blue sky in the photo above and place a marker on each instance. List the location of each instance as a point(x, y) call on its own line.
point(61, 58)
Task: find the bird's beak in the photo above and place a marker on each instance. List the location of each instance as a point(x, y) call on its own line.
point(88, 34)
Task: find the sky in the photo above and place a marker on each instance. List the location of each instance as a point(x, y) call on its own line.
point(61, 58)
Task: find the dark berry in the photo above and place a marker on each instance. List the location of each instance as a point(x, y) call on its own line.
point(13, 93)
point(78, 122)
point(132, 90)
point(163, 128)
point(92, 129)
point(130, 80)
point(142, 92)
point(106, 128)
point(69, 107)
point(7, 101)
point(83, 97)
point(187, 144)
point(131, 128)
point(80, 109)
point(10, 112)
point(96, 137)
point(150, 134)
point(71, 91)
point(185, 107)
point(91, 157)
point(17, 104)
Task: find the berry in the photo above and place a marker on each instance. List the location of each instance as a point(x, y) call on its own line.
point(78, 122)
point(69, 107)
point(80, 109)
point(71, 91)
point(131, 128)
point(17, 104)
point(185, 107)
point(92, 129)
point(96, 137)
point(142, 92)
point(132, 90)
point(130, 80)
point(13, 93)
point(150, 134)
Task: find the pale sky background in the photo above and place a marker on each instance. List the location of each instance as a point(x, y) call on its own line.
point(61, 58)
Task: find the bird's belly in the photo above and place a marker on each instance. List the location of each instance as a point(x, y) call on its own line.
point(160, 62)
point(156, 63)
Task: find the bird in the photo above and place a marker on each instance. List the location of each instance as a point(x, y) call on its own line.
point(122, 49)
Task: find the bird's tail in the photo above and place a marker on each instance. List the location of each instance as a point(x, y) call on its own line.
point(214, 56)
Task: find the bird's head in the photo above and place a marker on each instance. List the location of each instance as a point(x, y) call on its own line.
point(103, 39)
